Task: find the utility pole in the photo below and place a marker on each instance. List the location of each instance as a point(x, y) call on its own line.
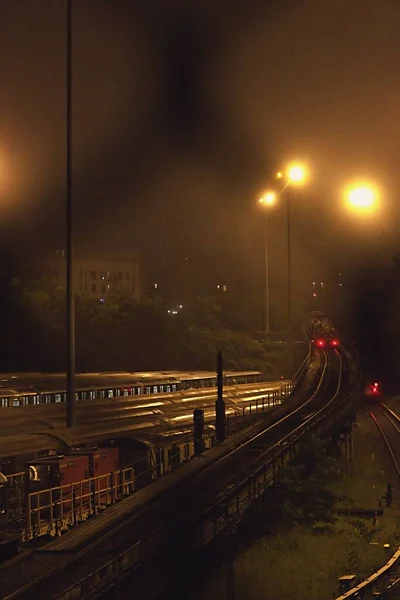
point(289, 282)
point(220, 404)
point(70, 303)
point(267, 324)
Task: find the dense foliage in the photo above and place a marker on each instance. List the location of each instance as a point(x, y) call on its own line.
point(121, 334)
point(377, 324)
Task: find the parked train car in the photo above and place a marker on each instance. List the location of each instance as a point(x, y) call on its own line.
point(76, 472)
point(22, 389)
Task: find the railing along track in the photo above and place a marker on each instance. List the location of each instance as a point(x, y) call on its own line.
point(90, 557)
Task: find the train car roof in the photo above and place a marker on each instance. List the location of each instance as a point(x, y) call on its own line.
point(22, 444)
point(14, 383)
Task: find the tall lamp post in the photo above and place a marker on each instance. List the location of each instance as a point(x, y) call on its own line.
point(295, 175)
point(267, 200)
point(70, 304)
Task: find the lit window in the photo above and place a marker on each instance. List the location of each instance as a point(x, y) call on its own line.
point(103, 275)
point(156, 285)
point(322, 284)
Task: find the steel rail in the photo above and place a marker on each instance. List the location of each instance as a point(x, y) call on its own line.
point(125, 553)
point(278, 444)
point(102, 539)
point(394, 420)
point(388, 416)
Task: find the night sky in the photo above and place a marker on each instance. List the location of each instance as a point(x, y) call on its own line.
point(183, 111)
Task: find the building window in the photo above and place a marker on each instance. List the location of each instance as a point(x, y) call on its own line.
point(103, 275)
point(93, 288)
point(103, 288)
point(81, 274)
point(81, 287)
point(93, 274)
point(127, 274)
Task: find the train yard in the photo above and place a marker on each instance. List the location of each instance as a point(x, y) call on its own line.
point(55, 491)
point(323, 380)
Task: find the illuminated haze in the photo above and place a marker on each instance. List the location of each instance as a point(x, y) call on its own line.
point(182, 114)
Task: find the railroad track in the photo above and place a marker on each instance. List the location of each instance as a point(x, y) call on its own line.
point(385, 580)
point(147, 532)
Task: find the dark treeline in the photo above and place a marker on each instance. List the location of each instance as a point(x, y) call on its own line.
point(121, 334)
point(377, 323)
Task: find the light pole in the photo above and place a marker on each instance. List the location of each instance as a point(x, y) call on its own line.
point(70, 303)
point(295, 175)
point(267, 200)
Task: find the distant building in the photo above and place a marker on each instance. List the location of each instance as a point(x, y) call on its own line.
point(94, 276)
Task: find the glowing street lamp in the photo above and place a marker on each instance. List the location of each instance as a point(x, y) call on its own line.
point(296, 174)
point(268, 199)
point(362, 197)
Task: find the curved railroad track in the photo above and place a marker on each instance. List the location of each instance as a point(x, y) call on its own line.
point(48, 573)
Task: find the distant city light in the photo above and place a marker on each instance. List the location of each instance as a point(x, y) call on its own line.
point(156, 285)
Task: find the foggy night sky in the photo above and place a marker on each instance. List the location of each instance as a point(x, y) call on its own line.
point(183, 111)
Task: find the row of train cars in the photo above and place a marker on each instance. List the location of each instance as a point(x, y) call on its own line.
point(24, 389)
point(62, 481)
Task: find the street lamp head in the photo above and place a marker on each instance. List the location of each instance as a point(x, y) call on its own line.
point(279, 175)
point(296, 173)
point(268, 199)
point(362, 197)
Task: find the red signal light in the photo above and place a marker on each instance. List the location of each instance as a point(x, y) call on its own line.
point(335, 342)
point(320, 343)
